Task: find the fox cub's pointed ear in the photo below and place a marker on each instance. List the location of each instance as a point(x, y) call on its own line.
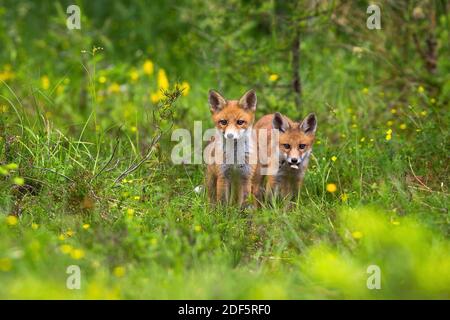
point(248, 100)
point(279, 122)
point(216, 101)
point(309, 124)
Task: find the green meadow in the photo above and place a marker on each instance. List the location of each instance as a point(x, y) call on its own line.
point(87, 180)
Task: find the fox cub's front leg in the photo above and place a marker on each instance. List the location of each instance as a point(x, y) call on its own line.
point(211, 185)
point(244, 190)
point(222, 190)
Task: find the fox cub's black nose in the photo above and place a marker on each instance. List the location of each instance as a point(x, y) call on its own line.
point(294, 160)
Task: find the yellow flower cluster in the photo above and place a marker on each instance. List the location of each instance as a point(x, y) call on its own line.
point(74, 253)
point(389, 134)
point(11, 220)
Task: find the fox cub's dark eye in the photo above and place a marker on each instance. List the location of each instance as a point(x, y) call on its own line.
point(240, 122)
point(302, 146)
point(223, 122)
point(287, 146)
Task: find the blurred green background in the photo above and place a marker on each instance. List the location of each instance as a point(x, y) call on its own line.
point(85, 170)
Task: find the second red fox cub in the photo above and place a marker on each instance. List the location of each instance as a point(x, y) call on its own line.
point(292, 157)
point(229, 171)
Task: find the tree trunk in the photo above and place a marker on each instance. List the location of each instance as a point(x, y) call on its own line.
point(296, 81)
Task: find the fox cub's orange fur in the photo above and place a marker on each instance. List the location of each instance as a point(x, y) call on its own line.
point(233, 120)
point(294, 149)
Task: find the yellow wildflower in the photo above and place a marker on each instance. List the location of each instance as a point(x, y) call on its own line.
point(333, 158)
point(34, 226)
point(11, 220)
point(423, 113)
point(390, 123)
point(45, 82)
point(137, 198)
point(433, 100)
point(403, 126)
point(66, 248)
point(114, 88)
point(77, 254)
point(86, 226)
point(70, 233)
point(133, 129)
point(274, 77)
point(62, 237)
point(365, 90)
point(155, 97)
point(185, 87)
point(163, 82)
point(198, 228)
point(6, 74)
point(357, 234)
point(148, 67)
point(134, 75)
point(344, 197)
point(119, 271)
point(331, 187)
point(130, 212)
point(393, 111)
point(102, 79)
point(420, 89)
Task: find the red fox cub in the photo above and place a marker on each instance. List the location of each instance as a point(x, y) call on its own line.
point(291, 154)
point(229, 172)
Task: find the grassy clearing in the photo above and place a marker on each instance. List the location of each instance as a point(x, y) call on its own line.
point(152, 236)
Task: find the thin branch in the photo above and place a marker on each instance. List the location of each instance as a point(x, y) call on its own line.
point(418, 180)
point(136, 166)
point(109, 161)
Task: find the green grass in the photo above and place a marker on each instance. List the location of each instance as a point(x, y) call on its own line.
point(152, 236)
